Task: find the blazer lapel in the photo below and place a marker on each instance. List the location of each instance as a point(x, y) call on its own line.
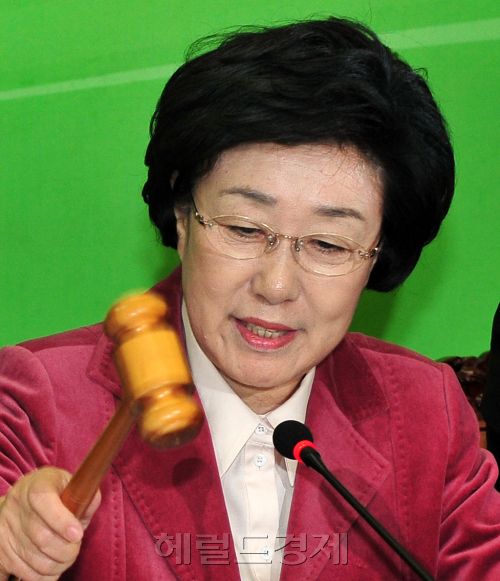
point(176, 491)
point(336, 405)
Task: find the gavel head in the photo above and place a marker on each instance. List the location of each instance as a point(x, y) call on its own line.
point(153, 369)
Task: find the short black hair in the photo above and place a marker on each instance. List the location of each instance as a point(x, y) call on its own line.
point(328, 81)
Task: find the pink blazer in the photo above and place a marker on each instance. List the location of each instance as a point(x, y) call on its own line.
point(393, 426)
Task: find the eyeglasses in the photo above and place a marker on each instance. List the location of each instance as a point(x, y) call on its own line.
point(322, 253)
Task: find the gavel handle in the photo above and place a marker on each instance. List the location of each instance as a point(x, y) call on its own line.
point(85, 482)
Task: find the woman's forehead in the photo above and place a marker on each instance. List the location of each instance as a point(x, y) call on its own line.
point(317, 178)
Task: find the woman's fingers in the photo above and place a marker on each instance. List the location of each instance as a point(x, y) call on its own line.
point(39, 537)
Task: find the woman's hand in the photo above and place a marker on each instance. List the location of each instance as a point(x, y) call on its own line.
point(39, 537)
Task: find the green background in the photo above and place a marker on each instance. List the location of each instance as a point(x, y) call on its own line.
point(78, 84)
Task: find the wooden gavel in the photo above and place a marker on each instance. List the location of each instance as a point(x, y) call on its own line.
point(157, 388)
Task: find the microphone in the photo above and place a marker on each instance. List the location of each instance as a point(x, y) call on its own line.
point(294, 440)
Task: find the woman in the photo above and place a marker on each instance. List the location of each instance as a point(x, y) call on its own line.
point(292, 167)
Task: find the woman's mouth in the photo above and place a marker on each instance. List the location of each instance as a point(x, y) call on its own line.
point(265, 336)
point(263, 332)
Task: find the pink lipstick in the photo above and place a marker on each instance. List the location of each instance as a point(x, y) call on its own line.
point(264, 335)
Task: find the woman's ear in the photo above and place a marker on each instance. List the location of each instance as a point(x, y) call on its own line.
point(182, 219)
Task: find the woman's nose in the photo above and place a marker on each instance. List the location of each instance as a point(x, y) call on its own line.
point(277, 276)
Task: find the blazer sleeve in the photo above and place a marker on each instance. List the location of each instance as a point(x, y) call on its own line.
point(28, 422)
point(470, 526)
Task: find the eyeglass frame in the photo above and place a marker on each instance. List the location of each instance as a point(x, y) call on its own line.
point(274, 241)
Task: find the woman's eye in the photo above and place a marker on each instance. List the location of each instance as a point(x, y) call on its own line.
point(325, 246)
point(245, 232)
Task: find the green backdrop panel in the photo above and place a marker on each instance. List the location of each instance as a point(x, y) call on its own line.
point(78, 86)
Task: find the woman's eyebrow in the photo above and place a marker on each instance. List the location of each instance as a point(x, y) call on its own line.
point(250, 194)
point(338, 212)
point(268, 200)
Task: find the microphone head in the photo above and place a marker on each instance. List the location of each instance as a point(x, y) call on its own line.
point(288, 434)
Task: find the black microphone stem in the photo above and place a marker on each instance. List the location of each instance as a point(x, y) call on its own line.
point(311, 458)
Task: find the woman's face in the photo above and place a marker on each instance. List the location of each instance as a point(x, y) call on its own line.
point(295, 190)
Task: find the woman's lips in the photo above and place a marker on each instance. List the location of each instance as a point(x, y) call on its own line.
point(264, 335)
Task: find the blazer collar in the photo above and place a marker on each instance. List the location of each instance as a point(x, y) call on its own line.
point(174, 491)
point(346, 412)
